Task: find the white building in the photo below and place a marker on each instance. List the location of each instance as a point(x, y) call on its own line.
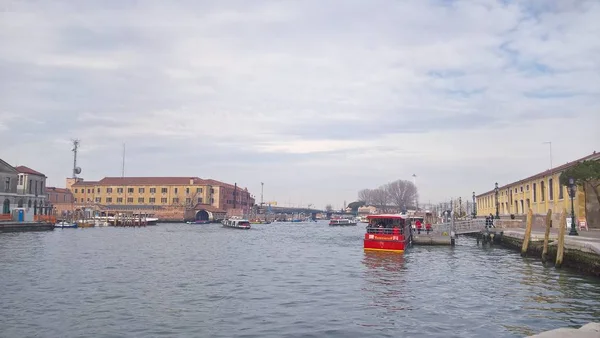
point(31, 189)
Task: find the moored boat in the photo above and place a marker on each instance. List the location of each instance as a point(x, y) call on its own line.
point(341, 222)
point(236, 223)
point(387, 233)
point(64, 224)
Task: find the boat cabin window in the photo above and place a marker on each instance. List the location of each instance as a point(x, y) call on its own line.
point(243, 223)
point(385, 225)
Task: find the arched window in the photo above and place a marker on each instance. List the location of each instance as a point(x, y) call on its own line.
point(35, 211)
point(29, 204)
point(20, 204)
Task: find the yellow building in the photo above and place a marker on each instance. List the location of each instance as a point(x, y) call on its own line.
point(159, 191)
point(539, 192)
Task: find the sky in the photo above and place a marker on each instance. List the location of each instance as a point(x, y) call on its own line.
point(316, 99)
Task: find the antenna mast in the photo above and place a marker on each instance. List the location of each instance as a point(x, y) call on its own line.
point(123, 165)
point(76, 169)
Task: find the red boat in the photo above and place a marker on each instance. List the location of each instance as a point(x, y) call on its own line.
point(387, 233)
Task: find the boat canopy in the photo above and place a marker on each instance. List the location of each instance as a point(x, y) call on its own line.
point(387, 216)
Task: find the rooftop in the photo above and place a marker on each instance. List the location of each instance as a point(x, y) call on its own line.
point(157, 181)
point(561, 168)
point(59, 190)
point(26, 170)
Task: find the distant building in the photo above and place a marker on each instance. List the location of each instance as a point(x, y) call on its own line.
point(540, 193)
point(169, 196)
point(8, 188)
point(367, 210)
point(60, 199)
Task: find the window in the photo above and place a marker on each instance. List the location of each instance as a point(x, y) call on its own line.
point(31, 185)
point(119, 199)
point(561, 191)
point(516, 190)
point(542, 191)
point(36, 188)
point(7, 184)
point(152, 200)
point(163, 190)
point(212, 200)
point(141, 190)
point(534, 193)
point(140, 200)
point(199, 190)
point(527, 188)
point(176, 190)
point(109, 190)
point(64, 198)
point(187, 190)
point(163, 200)
point(119, 190)
point(550, 189)
point(175, 200)
point(75, 190)
point(98, 200)
point(212, 191)
point(129, 199)
point(199, 200)
point(98, 190)
point(130, 190)
point(20, 179)
point(521, 188)
point(152, 190)
point(109, 200)
point(188, 201)
point(522, 206)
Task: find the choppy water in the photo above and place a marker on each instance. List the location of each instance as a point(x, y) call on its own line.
point(278, 280)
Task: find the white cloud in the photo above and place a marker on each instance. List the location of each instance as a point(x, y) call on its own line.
point(340, 93)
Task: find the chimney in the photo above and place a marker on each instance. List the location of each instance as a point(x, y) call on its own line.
point(191, 181)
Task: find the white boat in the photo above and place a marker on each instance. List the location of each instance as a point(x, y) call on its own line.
point(64, 224)
point(236, 223)
point(341, 222)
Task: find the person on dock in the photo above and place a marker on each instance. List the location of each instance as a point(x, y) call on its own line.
point(419, 226)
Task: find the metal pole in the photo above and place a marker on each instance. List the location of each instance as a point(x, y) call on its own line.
point(572, 191)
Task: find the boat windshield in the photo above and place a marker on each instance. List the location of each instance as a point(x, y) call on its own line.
point(385, 225)
point(244, 223)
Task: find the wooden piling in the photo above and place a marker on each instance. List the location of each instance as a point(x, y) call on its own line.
point(527, 233)
point(560, 251)
point(547, 236)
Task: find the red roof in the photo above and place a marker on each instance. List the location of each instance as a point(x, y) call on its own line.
point(26, 170)
point(59, 190)
point(133, 181)
point(593, 156)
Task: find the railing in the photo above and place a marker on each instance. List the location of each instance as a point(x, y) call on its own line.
point(384, 231)
point(45, 218)
point(472, 225)
point(5, 217)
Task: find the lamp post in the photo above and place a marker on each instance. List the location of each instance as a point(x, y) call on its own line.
point(572, 192)
point(474, 206)
point(497, 204)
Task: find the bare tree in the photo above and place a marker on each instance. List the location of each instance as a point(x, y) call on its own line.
point(380, 197)
point(328, 208)
point(401, 193)
point(366, 195)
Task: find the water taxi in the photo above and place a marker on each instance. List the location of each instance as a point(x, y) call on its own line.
point(64, 224)
point(236, 223)
point(341, 222)
point(387, 233)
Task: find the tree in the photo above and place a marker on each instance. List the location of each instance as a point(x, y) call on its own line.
point(355, 205)
point(328, 208)
point(586, 174)
point(380, 197)
point(366, 195)
point(401, 193)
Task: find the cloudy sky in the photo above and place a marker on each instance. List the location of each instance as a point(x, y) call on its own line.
point(315, 98)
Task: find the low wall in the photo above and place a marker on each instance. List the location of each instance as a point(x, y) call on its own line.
point(583, 262)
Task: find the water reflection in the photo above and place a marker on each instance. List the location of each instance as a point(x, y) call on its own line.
point(385, 279)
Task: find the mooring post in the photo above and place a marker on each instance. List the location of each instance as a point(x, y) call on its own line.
point(547, 236)
point(527, 233)
point(561, 239)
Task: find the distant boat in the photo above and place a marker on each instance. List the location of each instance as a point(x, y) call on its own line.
point(236, 223)
point(64, 224)
point(198, 222)
point(341, 222)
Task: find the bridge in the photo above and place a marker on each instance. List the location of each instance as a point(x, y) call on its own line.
point(464, 227)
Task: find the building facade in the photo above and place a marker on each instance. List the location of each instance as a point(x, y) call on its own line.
point(60, 199)
point(8, 189)
point(164, 193)
point(31, 188)
point(540, 193)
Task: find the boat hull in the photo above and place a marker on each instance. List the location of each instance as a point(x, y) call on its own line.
point(385, 242)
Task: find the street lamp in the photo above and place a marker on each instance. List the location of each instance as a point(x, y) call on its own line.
point(474, 206)
point(497, 204)
point(572, 192)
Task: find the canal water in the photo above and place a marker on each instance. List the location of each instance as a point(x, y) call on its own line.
point(277, 280)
